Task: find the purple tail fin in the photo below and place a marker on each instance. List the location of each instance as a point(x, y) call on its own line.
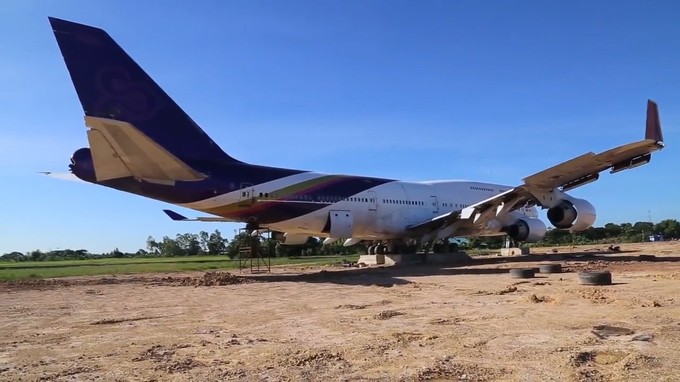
point(111, 85)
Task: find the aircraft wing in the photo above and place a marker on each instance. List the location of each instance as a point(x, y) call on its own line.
point(436, 223)
point(538, 189)
point(586, 168)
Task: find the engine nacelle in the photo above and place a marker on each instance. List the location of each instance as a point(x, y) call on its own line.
point(294, 239)
point(573, 214)
point(82, 165)
point(526, 229)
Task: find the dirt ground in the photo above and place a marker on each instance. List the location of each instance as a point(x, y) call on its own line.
point(465, 322)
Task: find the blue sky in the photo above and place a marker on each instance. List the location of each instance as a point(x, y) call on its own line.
point(492, 90)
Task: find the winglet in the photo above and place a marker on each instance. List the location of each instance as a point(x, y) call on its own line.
point(174, 215)
point(653, 130)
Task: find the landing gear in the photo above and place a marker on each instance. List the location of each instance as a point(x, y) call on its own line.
point(377, 249)
point(392, 247)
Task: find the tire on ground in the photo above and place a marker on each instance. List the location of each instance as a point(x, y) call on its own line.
point(595, 278)
point(522, 273)
point(550, 268)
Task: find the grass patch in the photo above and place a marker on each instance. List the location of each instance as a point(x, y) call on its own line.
point(50, 269)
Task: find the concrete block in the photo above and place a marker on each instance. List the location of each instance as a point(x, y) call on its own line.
point(514, 251)
point(404, 259)
point(372, 259)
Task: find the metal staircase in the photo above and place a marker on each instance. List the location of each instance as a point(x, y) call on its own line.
point(253, 252)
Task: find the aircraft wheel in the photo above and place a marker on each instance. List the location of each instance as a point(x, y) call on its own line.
point(595, 278)
point(371, 250)
point(522, 273)
point(550, 268)
point(380, 249)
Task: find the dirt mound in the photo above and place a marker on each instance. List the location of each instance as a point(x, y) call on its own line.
point(208, 279)
point(180, 366)
point(352, 306)
point(213, 278)
point(316, 359)
point(164, 358)
point(157, 353)
point(539, 299)
point(385, 314)
point(446, 369)
point(70, 372)
point(108, 321)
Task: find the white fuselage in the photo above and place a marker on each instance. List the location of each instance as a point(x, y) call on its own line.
point(381, 212)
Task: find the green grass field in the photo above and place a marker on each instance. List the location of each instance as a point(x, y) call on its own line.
point(49, 269)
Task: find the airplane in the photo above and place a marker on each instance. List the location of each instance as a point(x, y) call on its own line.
point(142, 142)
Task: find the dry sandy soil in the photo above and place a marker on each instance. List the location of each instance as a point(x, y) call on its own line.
point(466, 322)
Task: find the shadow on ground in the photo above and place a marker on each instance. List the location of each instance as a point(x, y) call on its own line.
point(387, 276)
point(393, 275)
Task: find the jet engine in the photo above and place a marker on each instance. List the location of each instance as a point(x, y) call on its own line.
point(526, 229)
point(294, 239)
point(82, 165)
point(573, 214)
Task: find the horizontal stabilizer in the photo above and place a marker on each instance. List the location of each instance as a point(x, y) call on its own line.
point(120, 150)
point(178, 217)
point(62, 176)
point(175, 216)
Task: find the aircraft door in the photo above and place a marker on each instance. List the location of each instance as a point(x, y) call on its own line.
point(372, 201)
point(435, 204)
point(247, 196)
point(341, 224)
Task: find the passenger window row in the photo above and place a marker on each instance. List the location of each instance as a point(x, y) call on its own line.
point(320, 198)
point(404, 202)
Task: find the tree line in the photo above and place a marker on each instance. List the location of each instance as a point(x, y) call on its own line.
point(610, 233)
point(190, 244)
point(214, 244)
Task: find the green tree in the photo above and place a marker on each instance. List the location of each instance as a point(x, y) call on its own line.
point(154, 247)
point(14, 256)
point(36, 255)
point(188, 243)
point(216, 244)
point(613, 230)
point(204, 239)
point(669, 228)
point(169, 248)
